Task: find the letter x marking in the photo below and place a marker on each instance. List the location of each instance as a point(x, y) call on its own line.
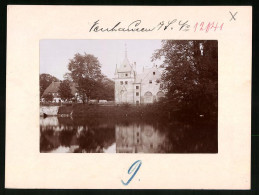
point(233, 16)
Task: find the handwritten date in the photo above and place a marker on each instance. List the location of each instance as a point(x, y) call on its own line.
point(207, 27)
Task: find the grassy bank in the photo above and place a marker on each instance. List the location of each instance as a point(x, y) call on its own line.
point(80, 110)
point(141, 112)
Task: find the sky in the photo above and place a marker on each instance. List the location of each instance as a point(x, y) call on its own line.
point(55, 54)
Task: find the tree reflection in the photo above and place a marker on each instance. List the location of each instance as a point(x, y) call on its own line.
point(193, 138)
point(95, 139)
point(45, 142)
point(65, 137)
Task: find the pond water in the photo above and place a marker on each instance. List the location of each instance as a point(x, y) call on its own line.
point(81, 135)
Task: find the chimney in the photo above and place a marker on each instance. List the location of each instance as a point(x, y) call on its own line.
point(134, 66)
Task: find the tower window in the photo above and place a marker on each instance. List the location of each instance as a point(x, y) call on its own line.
point(121, 82)
point(126, 82)
point(137, 87)
point(150, 81)
point(154, 73)
point(137, 93)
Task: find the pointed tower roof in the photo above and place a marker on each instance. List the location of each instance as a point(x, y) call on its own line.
point(125, 66)
point(116, 70)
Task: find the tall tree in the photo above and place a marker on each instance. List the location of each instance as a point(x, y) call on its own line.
point(85, 70)
point(67, 76)
point(190, 75)
point(105, 90)
point(108, 89)
point(45, 81)
point(65, 90)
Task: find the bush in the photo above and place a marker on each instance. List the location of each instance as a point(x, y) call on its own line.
point(48, 97)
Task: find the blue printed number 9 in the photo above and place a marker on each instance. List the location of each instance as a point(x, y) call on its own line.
point(134, 167)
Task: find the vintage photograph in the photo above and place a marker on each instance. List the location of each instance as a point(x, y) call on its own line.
point(128, 96)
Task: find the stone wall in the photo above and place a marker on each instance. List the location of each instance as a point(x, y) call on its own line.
point(49, 110)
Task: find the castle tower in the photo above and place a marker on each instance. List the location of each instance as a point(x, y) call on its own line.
point(124, 79)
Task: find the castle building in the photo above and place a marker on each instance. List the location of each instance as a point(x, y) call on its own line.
point(134, 88)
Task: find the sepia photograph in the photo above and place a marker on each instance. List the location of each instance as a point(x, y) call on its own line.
point(128, 96)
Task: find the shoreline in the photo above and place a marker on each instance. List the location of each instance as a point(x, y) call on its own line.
point(154, 111)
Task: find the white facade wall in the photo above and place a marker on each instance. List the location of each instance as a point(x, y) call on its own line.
point(153, 76)
point(124, 92)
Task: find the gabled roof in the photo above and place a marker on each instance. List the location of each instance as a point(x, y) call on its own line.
point(147, 74)
point(54, 87)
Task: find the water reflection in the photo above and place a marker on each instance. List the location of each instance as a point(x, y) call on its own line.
point(80, 135)
point(139, 138)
